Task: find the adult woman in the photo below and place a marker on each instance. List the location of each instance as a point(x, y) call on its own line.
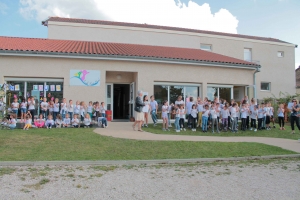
point(139, 115)
point(294, 115)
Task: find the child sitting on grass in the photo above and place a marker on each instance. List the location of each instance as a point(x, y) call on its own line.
point(28, 121)
point(87, 121)
point(67, 121)
point(40, 122)
point(58, 121)
point(75, 121)
point(11, 123)
point(49, 123)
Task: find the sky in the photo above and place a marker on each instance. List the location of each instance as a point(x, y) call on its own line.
point(267, 18)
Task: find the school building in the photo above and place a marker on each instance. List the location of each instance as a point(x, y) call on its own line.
point(94, 60)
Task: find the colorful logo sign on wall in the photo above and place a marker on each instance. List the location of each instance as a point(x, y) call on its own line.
point(85, 77)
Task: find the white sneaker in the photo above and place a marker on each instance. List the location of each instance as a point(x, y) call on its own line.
point(255, 130)
point(250, 129)
point(47, 127)
point(170, 126)
point(177, 131)
point(103, 126)
point(184, 129)
point(181, 129)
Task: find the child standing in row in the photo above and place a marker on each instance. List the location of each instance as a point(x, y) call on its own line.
point(280, 113)
point(182, 117)
point(177, 118)
point(164, 116)
point(253, 116)
point(225, 113)
point(205, 114)
point(194, 113)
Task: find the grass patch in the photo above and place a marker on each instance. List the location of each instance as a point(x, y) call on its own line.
point(274, 133)
point(6, 171)
point(84, 144)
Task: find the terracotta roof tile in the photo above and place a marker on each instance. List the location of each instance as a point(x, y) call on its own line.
point(118, 49)
point(102, 22)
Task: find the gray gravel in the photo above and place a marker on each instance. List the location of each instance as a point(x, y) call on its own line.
point(278, 179)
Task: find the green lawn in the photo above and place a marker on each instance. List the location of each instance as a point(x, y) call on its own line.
point(84, 144)
point(275, 132)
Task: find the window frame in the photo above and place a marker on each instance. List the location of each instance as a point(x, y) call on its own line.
point(280, 53)
point(250, 50)
point(269, 86)
point(211, 46)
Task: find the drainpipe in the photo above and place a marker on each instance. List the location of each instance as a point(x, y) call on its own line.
point(254, 81)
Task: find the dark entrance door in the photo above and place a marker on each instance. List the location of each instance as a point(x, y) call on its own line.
point(121, 99)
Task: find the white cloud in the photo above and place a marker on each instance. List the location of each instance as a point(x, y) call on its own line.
point(3, 8)
point(157, 12)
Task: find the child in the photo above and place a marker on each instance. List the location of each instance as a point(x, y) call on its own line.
point(200, 109)
point(146, 110)
point(97, 110)
point(234, 118)
point(15, 106)
point(90, 108)
point(12, 123)
point(87, 120)
point(23, 107)
point(75, 121)
point(31, 107)
point(244, 113)
point(182, 117)
point(44, 107)
point(272, 114)
point(28, 121)
point(77, 108)
point(58, 121)
point(49, 123)
point(164, 116)
point(103, 109)
point(225, 113)
point(102, 121)
point(70, 108)
point(205, 114)
point(82, 110)
point(51, 108)
point(253, 116)
point(67, 121)
point(260, 116)
point(177, 118)
point(55, 108)
point(268, 117)
point(153, 107)
point(40, 122)
point(280, 114)
point(64, 109)
point(214, 118)
point(194, 113)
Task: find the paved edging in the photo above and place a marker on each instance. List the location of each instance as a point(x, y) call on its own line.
point(140, 162)
point(124, 130)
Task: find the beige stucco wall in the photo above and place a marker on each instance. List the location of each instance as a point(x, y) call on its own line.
point(142, 73)
point(278, 71)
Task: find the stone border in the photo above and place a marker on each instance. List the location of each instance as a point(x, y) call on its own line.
point(139, 162)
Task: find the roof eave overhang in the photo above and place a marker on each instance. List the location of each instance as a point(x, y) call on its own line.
point(126, 58)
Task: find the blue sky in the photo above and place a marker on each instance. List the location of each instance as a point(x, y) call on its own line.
point(268, 18)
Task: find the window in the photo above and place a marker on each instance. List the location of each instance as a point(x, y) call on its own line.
point(206, 47)
point(265, 86)
point(170, 92)
point(247, 54)
point(220, 92)
point(280, 54)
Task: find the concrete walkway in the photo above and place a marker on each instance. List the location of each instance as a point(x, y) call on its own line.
point(124, 130)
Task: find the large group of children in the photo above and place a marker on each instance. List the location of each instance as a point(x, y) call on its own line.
point(216, 115)
point(55, 114)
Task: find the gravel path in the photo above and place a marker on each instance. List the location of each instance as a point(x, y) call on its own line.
point(277, 179)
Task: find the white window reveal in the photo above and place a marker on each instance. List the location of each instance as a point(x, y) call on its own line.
point(265, 86)
point(206, 47)
point(280, 54)
point(248, 54)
